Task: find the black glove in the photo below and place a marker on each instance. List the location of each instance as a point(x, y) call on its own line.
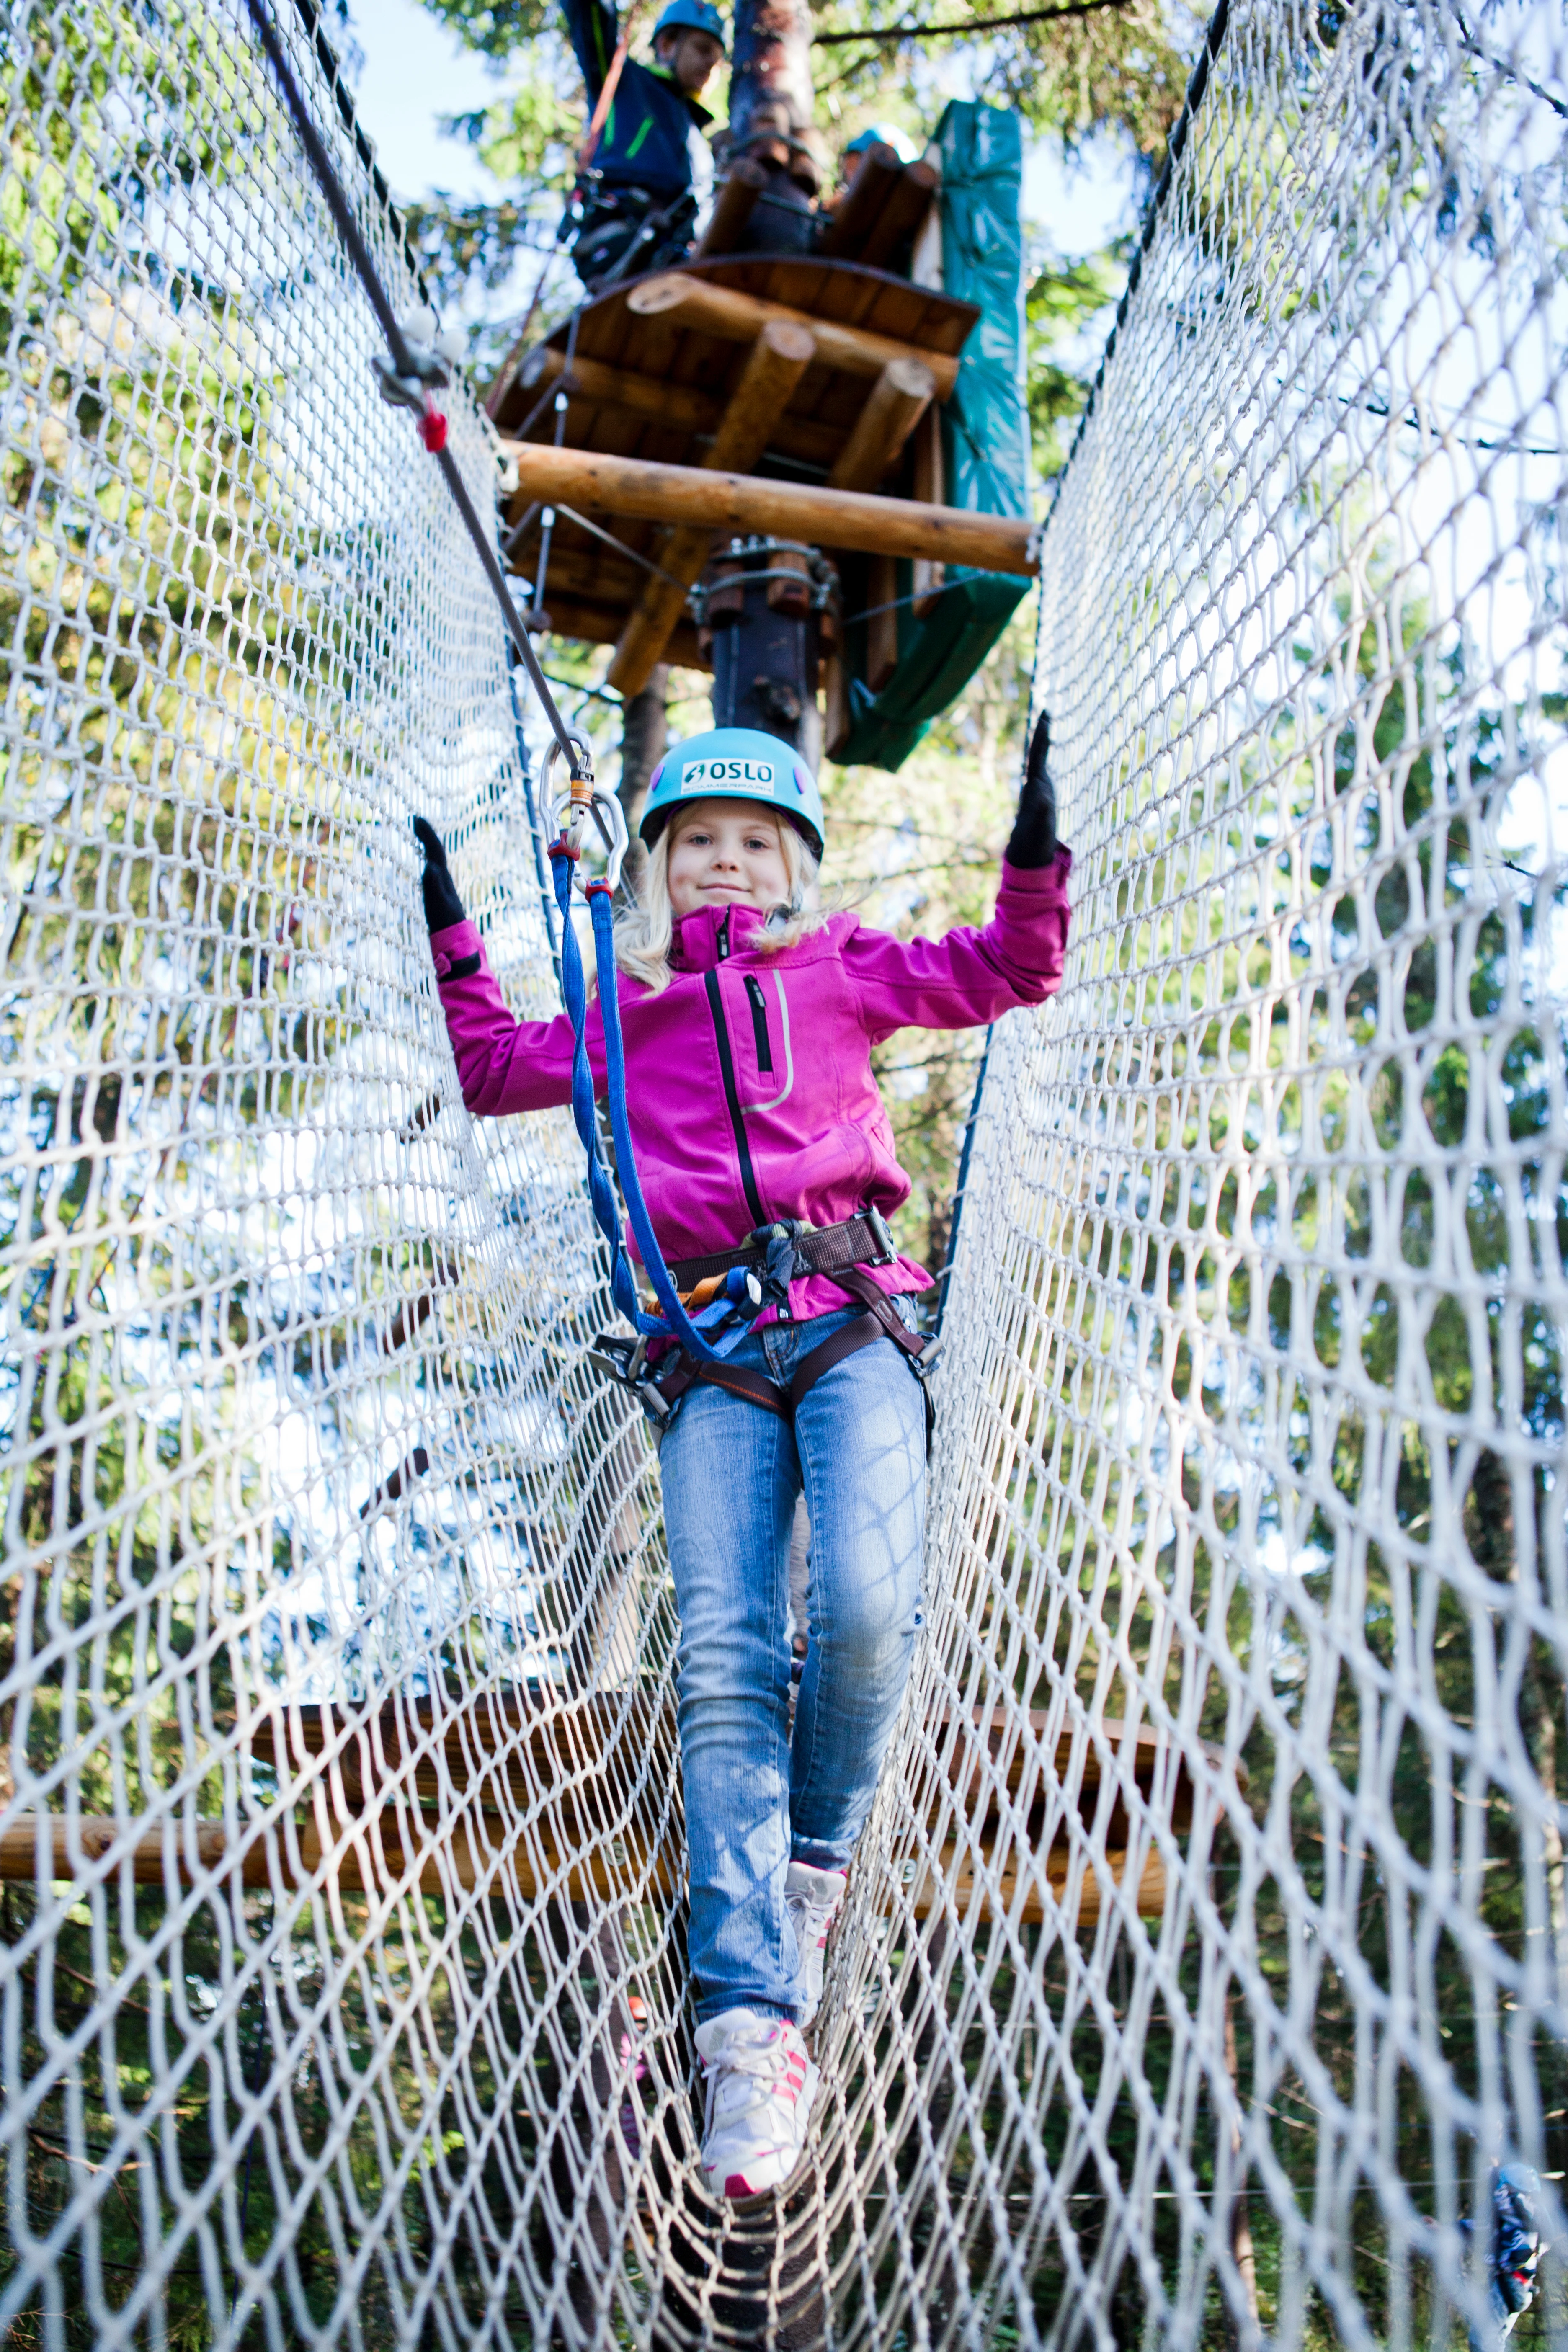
point(443, 908)
point(1034, 840)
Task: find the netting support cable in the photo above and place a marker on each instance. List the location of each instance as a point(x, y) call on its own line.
point(536, 836)
point(403, 363)
point(945, 1277)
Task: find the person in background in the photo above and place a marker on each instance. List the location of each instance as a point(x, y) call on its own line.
point(635, 188)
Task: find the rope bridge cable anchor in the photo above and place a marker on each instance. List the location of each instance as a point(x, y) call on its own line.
point(408, 367)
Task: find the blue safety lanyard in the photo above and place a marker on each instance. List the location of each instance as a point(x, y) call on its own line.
point(675, 1322)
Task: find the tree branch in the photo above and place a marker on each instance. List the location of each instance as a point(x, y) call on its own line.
point(892, 33)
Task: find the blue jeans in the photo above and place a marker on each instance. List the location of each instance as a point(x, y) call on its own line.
point(755, 1801)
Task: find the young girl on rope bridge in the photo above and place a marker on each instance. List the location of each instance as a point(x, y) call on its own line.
point(749, 1019)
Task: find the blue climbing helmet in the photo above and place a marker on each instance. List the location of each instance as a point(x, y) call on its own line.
point(735, 763)
point(691, 17)
point(883, 134)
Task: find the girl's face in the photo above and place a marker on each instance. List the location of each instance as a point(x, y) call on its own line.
point(726, 854)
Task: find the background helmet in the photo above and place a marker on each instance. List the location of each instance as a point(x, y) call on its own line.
point(734, 763)
point(693, 16)
point(883, 134)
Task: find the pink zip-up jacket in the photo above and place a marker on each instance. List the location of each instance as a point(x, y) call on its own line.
point(749, 1079)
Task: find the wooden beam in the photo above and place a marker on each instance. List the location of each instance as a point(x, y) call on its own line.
point(365, 1854)
point(670, 403)
point(740, 502)
point(898, 399)
point(595, 382)
point(377, 1790)
point(580, 570)
point(901, 216)
point(960, 1879)
point(930, 485)
point(855, 213)
point(733, 209)
point(737, 318)
point(882, 628)
point(835, 707)
point(779, 358)
point(374, 1852)
point(591, 624)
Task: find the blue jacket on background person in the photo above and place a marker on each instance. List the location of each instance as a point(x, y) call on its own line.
point(644, 142)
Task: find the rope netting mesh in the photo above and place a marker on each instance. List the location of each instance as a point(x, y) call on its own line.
point(1208, 1947)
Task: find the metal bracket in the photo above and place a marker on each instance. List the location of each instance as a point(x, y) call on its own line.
point(883, 1232)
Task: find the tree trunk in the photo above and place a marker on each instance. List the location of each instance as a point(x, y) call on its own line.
point(771, 109)
point(1241, 2246)
point(644, 733)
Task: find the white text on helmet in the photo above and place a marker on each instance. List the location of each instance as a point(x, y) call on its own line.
point(757, 776)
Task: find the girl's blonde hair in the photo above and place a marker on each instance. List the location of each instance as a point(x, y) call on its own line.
point(644, 930)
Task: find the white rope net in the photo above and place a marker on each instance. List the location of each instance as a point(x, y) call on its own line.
point(1209, 1946)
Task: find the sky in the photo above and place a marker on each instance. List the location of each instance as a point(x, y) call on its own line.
point(414, 72)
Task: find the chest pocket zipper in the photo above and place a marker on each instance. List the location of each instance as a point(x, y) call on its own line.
point(758, 1004)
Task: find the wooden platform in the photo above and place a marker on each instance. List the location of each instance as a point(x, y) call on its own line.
point(657, 384)
point(584, 1798)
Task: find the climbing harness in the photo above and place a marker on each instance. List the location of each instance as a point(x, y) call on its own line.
point(881, 1320)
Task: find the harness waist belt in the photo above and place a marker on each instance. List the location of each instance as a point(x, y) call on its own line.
point(880, 1321)
point(856, 1242)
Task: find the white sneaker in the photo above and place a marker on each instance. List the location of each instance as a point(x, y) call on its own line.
point(761, 2084)
point(812, 1898)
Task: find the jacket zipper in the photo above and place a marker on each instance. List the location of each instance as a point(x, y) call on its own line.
point(727, 1066)
point(760, 1022)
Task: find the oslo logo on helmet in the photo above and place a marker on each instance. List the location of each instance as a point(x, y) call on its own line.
point(756, 774)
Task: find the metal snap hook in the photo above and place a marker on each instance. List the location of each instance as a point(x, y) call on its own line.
point(584, 801)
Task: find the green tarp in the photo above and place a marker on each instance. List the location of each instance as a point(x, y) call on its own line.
point(986, 442)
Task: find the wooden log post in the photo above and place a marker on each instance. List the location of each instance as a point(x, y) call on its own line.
point(779, 358)
point(902, 216)
point(858, 208)
point(898, 399)
point(734, 317)
point(882, 621)
point(733, 209)
point(820, 517)
point(930, 487)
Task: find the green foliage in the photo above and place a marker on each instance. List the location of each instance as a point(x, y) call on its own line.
point(495, 31)
point(1064, 304)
